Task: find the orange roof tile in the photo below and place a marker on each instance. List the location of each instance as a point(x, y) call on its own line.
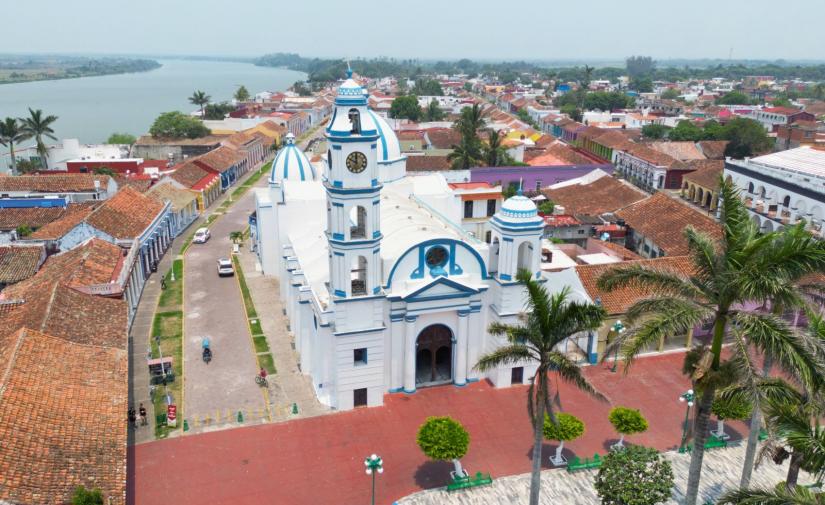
point(605, 194)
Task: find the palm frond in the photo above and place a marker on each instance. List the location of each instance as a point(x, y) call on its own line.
point(663, 305)
point(782, 496)
point(572, 373)
point(660, 326)
point(631, 276)
point(505, 355)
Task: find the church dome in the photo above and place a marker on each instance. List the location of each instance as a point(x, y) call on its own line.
point(389, 148)
point(291, 163)
point(519, 206)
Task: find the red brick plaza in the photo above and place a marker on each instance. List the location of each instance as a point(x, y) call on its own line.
point(320, 460)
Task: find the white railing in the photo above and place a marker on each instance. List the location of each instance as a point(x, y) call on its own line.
point(444, 219)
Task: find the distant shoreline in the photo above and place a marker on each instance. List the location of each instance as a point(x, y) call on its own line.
point(93, 69)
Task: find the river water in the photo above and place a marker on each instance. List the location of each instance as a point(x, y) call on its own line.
point(91, 108)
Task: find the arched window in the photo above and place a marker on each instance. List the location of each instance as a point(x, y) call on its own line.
point(786, 202)
point(525, 255)
point(355, 121)
point(750, 187)
point(329, 158)
point(494, 256)
point(358, 222)
point(358, 276)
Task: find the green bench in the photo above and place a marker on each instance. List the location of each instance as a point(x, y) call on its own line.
point(713, 442)
point(575, 464)
point(479, 479)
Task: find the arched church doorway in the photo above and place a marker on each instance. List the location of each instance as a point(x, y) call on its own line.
point(434, 356)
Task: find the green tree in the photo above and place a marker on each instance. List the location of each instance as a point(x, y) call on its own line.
point(405, 107)
point(427, 87)
point(565, 428)
point(743, 266)
point(177, 125)
point(635, 476)
point(607, 101)
point(433, 111)
point(27, 166)
point(465, 154)
point(627, 421)
point(37, 126)
point(121, 138)
point(546, 207)
point(686, 131)
point(470, 121)
point(200, 98)
point(781, 102)
point(730, 408)
point(236, 236)
point(588, 74)
point(641, 84)
point(639, 66)
point(654, 131)
point(670, 94)
point(103, 171)
point(301, 88)
point(443, 438)
point(733, 98)
point(468, 86)
point(218, 111)
point(713, 130)
point(746, 138)
point(572, 112)
point(242, 94)
point(11, 133)
point(83, 496)
point(23, 230)
point(495, 154)
point(548, 321)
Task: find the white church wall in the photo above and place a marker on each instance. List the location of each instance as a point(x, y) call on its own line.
point(355, 375)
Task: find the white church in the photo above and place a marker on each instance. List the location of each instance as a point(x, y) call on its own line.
point(384, 291)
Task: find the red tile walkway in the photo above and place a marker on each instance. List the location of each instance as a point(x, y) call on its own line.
point(320, 460)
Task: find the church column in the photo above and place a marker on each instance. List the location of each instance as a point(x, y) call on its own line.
point(461, 348)
point(397, 346)
point(409, 353)
point(475, 341)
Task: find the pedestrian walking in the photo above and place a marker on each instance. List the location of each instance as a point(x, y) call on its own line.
point(132, 417)
point(142, 412)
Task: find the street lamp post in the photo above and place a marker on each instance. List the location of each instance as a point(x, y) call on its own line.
point(374, 464)
point(618, 329)
point(688, 397)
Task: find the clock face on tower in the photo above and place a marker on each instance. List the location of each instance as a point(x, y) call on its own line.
point(356, 162)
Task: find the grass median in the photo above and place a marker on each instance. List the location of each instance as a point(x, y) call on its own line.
point(167, 341)
point(259, 342)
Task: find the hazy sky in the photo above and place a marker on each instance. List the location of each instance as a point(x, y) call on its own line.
point(482, 29)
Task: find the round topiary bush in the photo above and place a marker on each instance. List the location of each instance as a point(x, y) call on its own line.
point(730, 408)
point(627, 421)
point(443, 438)
point(566, 428)
point(635, 476)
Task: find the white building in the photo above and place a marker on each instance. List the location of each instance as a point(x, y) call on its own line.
point(69, 150)
point(782, 188)
point(384, 291)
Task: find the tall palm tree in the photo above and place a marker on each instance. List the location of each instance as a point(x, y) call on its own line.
point(37, 126)
point(742, 267)
point(11, 133)
point(465, 155)
point(549, 320)
point(200, 98)
point(471, 121)
point(494, 152)
point(588, 73)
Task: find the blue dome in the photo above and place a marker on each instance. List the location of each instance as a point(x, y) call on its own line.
point(292, 164)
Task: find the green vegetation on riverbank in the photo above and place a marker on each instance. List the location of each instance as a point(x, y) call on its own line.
point(16, 69)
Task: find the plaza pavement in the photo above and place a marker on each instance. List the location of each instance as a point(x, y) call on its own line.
point(320, 459)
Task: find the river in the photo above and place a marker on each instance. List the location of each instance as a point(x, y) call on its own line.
point(91, 108)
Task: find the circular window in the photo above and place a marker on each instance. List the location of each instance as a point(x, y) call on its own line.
point(437, 257)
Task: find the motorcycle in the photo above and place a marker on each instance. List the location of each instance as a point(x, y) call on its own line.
point(207, 351)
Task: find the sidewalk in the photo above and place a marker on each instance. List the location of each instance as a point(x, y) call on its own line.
point(140, 333)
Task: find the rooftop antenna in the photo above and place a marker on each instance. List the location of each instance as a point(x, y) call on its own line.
point(520, 185)
point(349, 70)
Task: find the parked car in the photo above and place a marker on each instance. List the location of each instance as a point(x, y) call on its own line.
point(225, 267)
point(201, 236)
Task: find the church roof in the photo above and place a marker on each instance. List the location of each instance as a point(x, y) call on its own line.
point(389, 149)
point(291, 163)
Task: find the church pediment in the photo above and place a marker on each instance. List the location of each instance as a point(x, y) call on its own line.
point(441, 288)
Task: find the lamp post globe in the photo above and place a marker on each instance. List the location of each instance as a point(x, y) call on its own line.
point(374, 464)
point(686, 397)
point(618, 328)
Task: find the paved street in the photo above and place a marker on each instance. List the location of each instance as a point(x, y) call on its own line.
point(320, 459)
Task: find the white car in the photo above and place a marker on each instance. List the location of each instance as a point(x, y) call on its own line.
point(225, 267)
point(201, 236)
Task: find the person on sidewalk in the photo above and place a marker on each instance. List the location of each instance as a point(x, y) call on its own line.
point(142, 412)
point(132, 418)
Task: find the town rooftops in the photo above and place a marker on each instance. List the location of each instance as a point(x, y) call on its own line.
point(63, 183)
point(663, 219)
point(62, 421)
point(713, 149)
point(427, 163)
point(443, 138)
point(73, 215)
point(707, 173)
point(782, 111)
point(190, 174)
point(619, 300)
point(33, 217)
point(682, 151)
point(180, 198)
point(149, 140)
point(220, 159)
point(803, 160)
point(126, 215)
point(595, 197)
point(654, 157)
point(19, 262)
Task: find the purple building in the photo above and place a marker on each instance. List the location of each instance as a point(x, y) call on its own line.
point(534, 177)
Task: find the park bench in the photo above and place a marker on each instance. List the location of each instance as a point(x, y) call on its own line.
point(575, 464)
point(712, 443)
point(479, 479)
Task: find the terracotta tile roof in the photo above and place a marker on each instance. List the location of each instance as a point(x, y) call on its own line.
point(707, 173)
point(567, 154)
point(71, 218)
point(619, 300)
point(149, 140)
point(240, 140)
point(62, 419)
point(654, 157)
point(52, 303)
point(189, 174)
point(33, 217)
point(605, 194)
point(683, 151)
point(663, 219)
point(426, 163)
point(624, 253)
point(19, 262)
point(612, 139)
point(63, 183)
point(443, 138)
point(713, 149)
point(126, 215)
point(180, 198)
point(220, 159)
point(141, 185)
point(785, 111)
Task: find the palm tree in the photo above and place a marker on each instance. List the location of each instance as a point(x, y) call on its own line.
point(471, 121)
point(200, 98)
point(742, 267)
point(779, 496)
point(494, 152)
point(465, 155)
point(11, 133)
point(549, 320)
point(36, 126)
point(588, 72)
